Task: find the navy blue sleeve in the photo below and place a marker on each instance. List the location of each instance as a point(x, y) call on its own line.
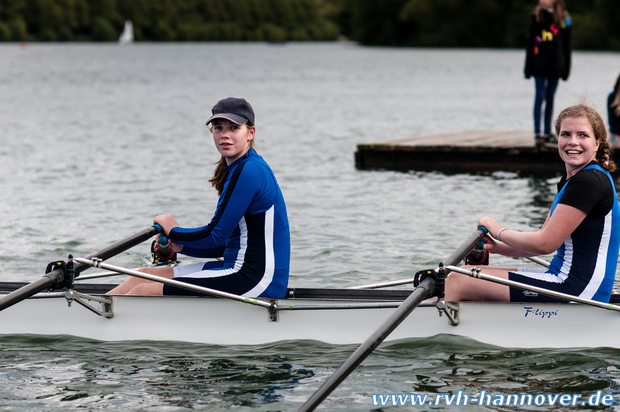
point(238, 194)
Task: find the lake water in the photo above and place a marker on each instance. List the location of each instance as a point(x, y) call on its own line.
point(97, 139)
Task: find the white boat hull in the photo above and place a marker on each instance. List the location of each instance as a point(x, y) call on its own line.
point(223, 322)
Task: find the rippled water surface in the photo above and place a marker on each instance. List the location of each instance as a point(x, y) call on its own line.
point(98, 139)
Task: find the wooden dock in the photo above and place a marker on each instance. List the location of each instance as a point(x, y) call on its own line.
point(467, 152)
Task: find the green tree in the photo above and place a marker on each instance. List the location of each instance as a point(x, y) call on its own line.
point(271, 33)
point(13, 30)
point(452, 23)
point(103, 30)
point(431, 23)
point(338, 13)
point(376, 22)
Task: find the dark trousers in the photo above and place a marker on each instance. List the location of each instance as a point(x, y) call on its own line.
point(545, 92)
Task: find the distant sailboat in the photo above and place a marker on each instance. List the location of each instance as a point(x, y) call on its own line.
point(127, 34)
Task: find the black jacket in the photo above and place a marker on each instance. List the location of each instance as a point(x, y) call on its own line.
point(548, 50)
point(614, 119)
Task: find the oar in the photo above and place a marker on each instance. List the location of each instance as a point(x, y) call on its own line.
point(98, 275)
point(383, 284)
point(424, 290)
point(188, 286)
point(539, 261)
point(476, 273)
point(55, 277)
point(409, 280)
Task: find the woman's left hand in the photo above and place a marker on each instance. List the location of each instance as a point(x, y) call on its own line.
point(167, 222)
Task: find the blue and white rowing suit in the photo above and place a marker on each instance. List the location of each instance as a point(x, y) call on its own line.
point(249, 230)
point(585, 264)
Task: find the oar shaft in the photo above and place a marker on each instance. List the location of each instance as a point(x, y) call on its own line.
point(46, 282)
point(539, 261)
point(51, 279)
point(453, 259)
point(98, 275)
point(120, 246)
point(424, 290)
point(176, 283)
point(384, 284)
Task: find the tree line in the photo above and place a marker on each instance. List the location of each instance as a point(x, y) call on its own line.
point(410, 23)
point(165, 20)
point(472, 23)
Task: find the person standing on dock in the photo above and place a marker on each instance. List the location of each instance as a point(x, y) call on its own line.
point(613, 114)
point(548, 58)
point(583, 225)
point(249, 230)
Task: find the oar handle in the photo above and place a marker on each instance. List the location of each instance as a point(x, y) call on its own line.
point(466, 247)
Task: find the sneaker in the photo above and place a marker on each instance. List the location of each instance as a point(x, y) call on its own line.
point(550, 138)
point(539, 139)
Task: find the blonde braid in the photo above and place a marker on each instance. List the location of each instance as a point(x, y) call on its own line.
point(603, 156)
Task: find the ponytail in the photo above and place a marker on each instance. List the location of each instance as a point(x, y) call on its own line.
point(219, 175)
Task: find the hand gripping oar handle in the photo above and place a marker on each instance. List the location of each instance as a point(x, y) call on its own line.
point(425, 289)
point(466, 247)
point(53, 278)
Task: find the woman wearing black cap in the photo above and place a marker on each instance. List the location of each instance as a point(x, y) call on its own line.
point(249, 229)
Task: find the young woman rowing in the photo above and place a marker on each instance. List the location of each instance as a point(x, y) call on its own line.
point(249, 229)
point(582, 227)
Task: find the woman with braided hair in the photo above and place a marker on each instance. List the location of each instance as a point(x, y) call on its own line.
point(582, 227)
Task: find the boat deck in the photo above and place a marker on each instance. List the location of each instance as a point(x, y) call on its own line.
point(393, 295)
point(292, 293)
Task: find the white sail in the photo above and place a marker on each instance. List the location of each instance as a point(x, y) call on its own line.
point(126, 36)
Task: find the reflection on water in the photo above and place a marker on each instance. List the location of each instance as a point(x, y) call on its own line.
point(61, 374)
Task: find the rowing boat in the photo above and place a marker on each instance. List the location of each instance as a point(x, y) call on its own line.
point(56, 305)
point(337, 316)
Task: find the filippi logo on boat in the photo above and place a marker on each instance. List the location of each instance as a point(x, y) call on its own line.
point(543, 314)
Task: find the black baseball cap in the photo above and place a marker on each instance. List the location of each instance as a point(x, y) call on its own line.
point(235, 109)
